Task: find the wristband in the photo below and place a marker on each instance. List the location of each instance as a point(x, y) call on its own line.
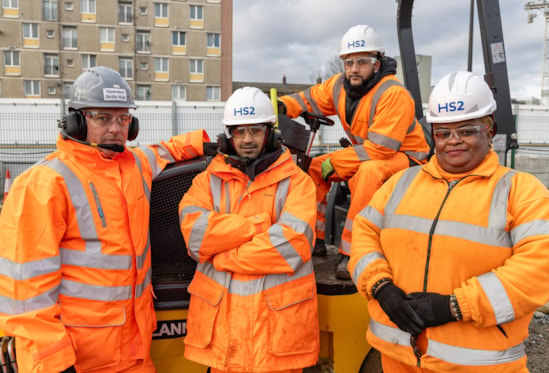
point(377, 284)
point(455, 307)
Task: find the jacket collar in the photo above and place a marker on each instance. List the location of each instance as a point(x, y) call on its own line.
point(485, 169)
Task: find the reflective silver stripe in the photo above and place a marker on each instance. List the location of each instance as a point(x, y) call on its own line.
point(390, 334)
point(311, 101)
point(320, 206)
point(146, 188)
point(215, 186)
point(377, 95)
point(281, 243)
point(140, 288)
point(373, 216)
point(365, 262)
point(531, 228)
point(198, 230)
point(81, 205)
point(298, 98)
point(280, 197)
point(95, 292)
point(361, 153)
point(162, 153)
point(336, 92)
point(140, 259)
point(448, 353)
point(400, 189)
point(15, 307)
point(345, 247)
point(385, 141)
point(498, 297)
point(95, 260)
point(24, 271)
point(474, 357)
point(500, 198)
point(255, 286)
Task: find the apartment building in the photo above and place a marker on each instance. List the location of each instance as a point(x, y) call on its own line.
point(165, 49)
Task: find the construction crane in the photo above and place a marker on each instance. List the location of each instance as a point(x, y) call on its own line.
point(543, 7)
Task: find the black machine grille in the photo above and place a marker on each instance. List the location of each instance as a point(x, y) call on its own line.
point(172, 268)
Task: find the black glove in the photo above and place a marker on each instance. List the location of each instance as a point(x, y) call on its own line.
point(69, 370)
point(433, 308)
point(393, 301)
point(210, 148)
point(345, 143)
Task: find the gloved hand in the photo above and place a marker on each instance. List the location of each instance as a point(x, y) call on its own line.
point(326, 169)
point(210, 148)
point(69, 370)
point(433, 308)
point(393, 301)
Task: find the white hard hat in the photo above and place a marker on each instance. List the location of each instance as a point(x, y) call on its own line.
point(248, 105)
point(360, 38)
point(459, 96)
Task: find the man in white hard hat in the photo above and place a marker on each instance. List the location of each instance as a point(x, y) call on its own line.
point(248, 220)
point(378, 115)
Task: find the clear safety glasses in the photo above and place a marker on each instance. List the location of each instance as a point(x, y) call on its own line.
point(461, 133)
point(361, 62)
point(256, 130)
point(105, 119)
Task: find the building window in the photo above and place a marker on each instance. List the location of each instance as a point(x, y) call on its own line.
point(49, 10)
point(106, 38)
point(87, 6)
point(67, 90)
point(213, 93)
point(179, 92)
point(143, 11)
point(196, 16)
point(30, 35)
point(179, 42)
point(143, 42)
point(196, 70)
point(14, 4)
point(125, 13)
point(70, 38)
point(70, 62)
point(69, 6)
point(52, 91)
point(50, 33)
point(89, 61)
point(213, 44)
point(161, 14)
point(51, 65)
point(12, 62)
point(125, 37)
point(161, 69)
point(10, 8)
point(143, 93)
point(125, 67)
point(144, 66)
point(32, 88)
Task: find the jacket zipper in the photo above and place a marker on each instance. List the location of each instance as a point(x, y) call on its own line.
point(98, 205)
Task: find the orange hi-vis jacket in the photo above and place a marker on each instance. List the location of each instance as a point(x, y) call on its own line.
point(483, 236)
point(384, 121)
point(253, 301)
point(75, 261)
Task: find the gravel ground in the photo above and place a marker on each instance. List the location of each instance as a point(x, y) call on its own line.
point(537, 344)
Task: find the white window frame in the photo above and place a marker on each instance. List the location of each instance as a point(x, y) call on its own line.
point(10, 4)
point(50, 10)
point(69, 39)
point(141, 92)
point(161, 10)
point(51, 64)
point(31, 87)
point(106, 35)
point(161, 65)
point(177, 35)
point(196, 12)
point(123, 10)
point(88, 7)
point(12, 58)
point(213, 40)
point(179, 92)
point(143, 41)
point(125, 67)
point(213, 93)
point(88, 60)
point(196, 66)
point(69, 6)
point(30, 29)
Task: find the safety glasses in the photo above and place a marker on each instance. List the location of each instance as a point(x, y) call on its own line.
point(255, 130)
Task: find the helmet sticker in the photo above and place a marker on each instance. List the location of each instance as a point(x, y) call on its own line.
point(115, 94)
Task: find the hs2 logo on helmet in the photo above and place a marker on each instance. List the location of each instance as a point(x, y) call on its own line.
point(451, 106)
point(245, 110)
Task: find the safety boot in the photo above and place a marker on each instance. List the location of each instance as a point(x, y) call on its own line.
point(341, 270)
point(320, 248)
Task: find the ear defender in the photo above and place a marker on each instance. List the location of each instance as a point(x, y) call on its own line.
point(74, 125)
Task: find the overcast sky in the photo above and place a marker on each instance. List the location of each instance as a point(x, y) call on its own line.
point(297, 38)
